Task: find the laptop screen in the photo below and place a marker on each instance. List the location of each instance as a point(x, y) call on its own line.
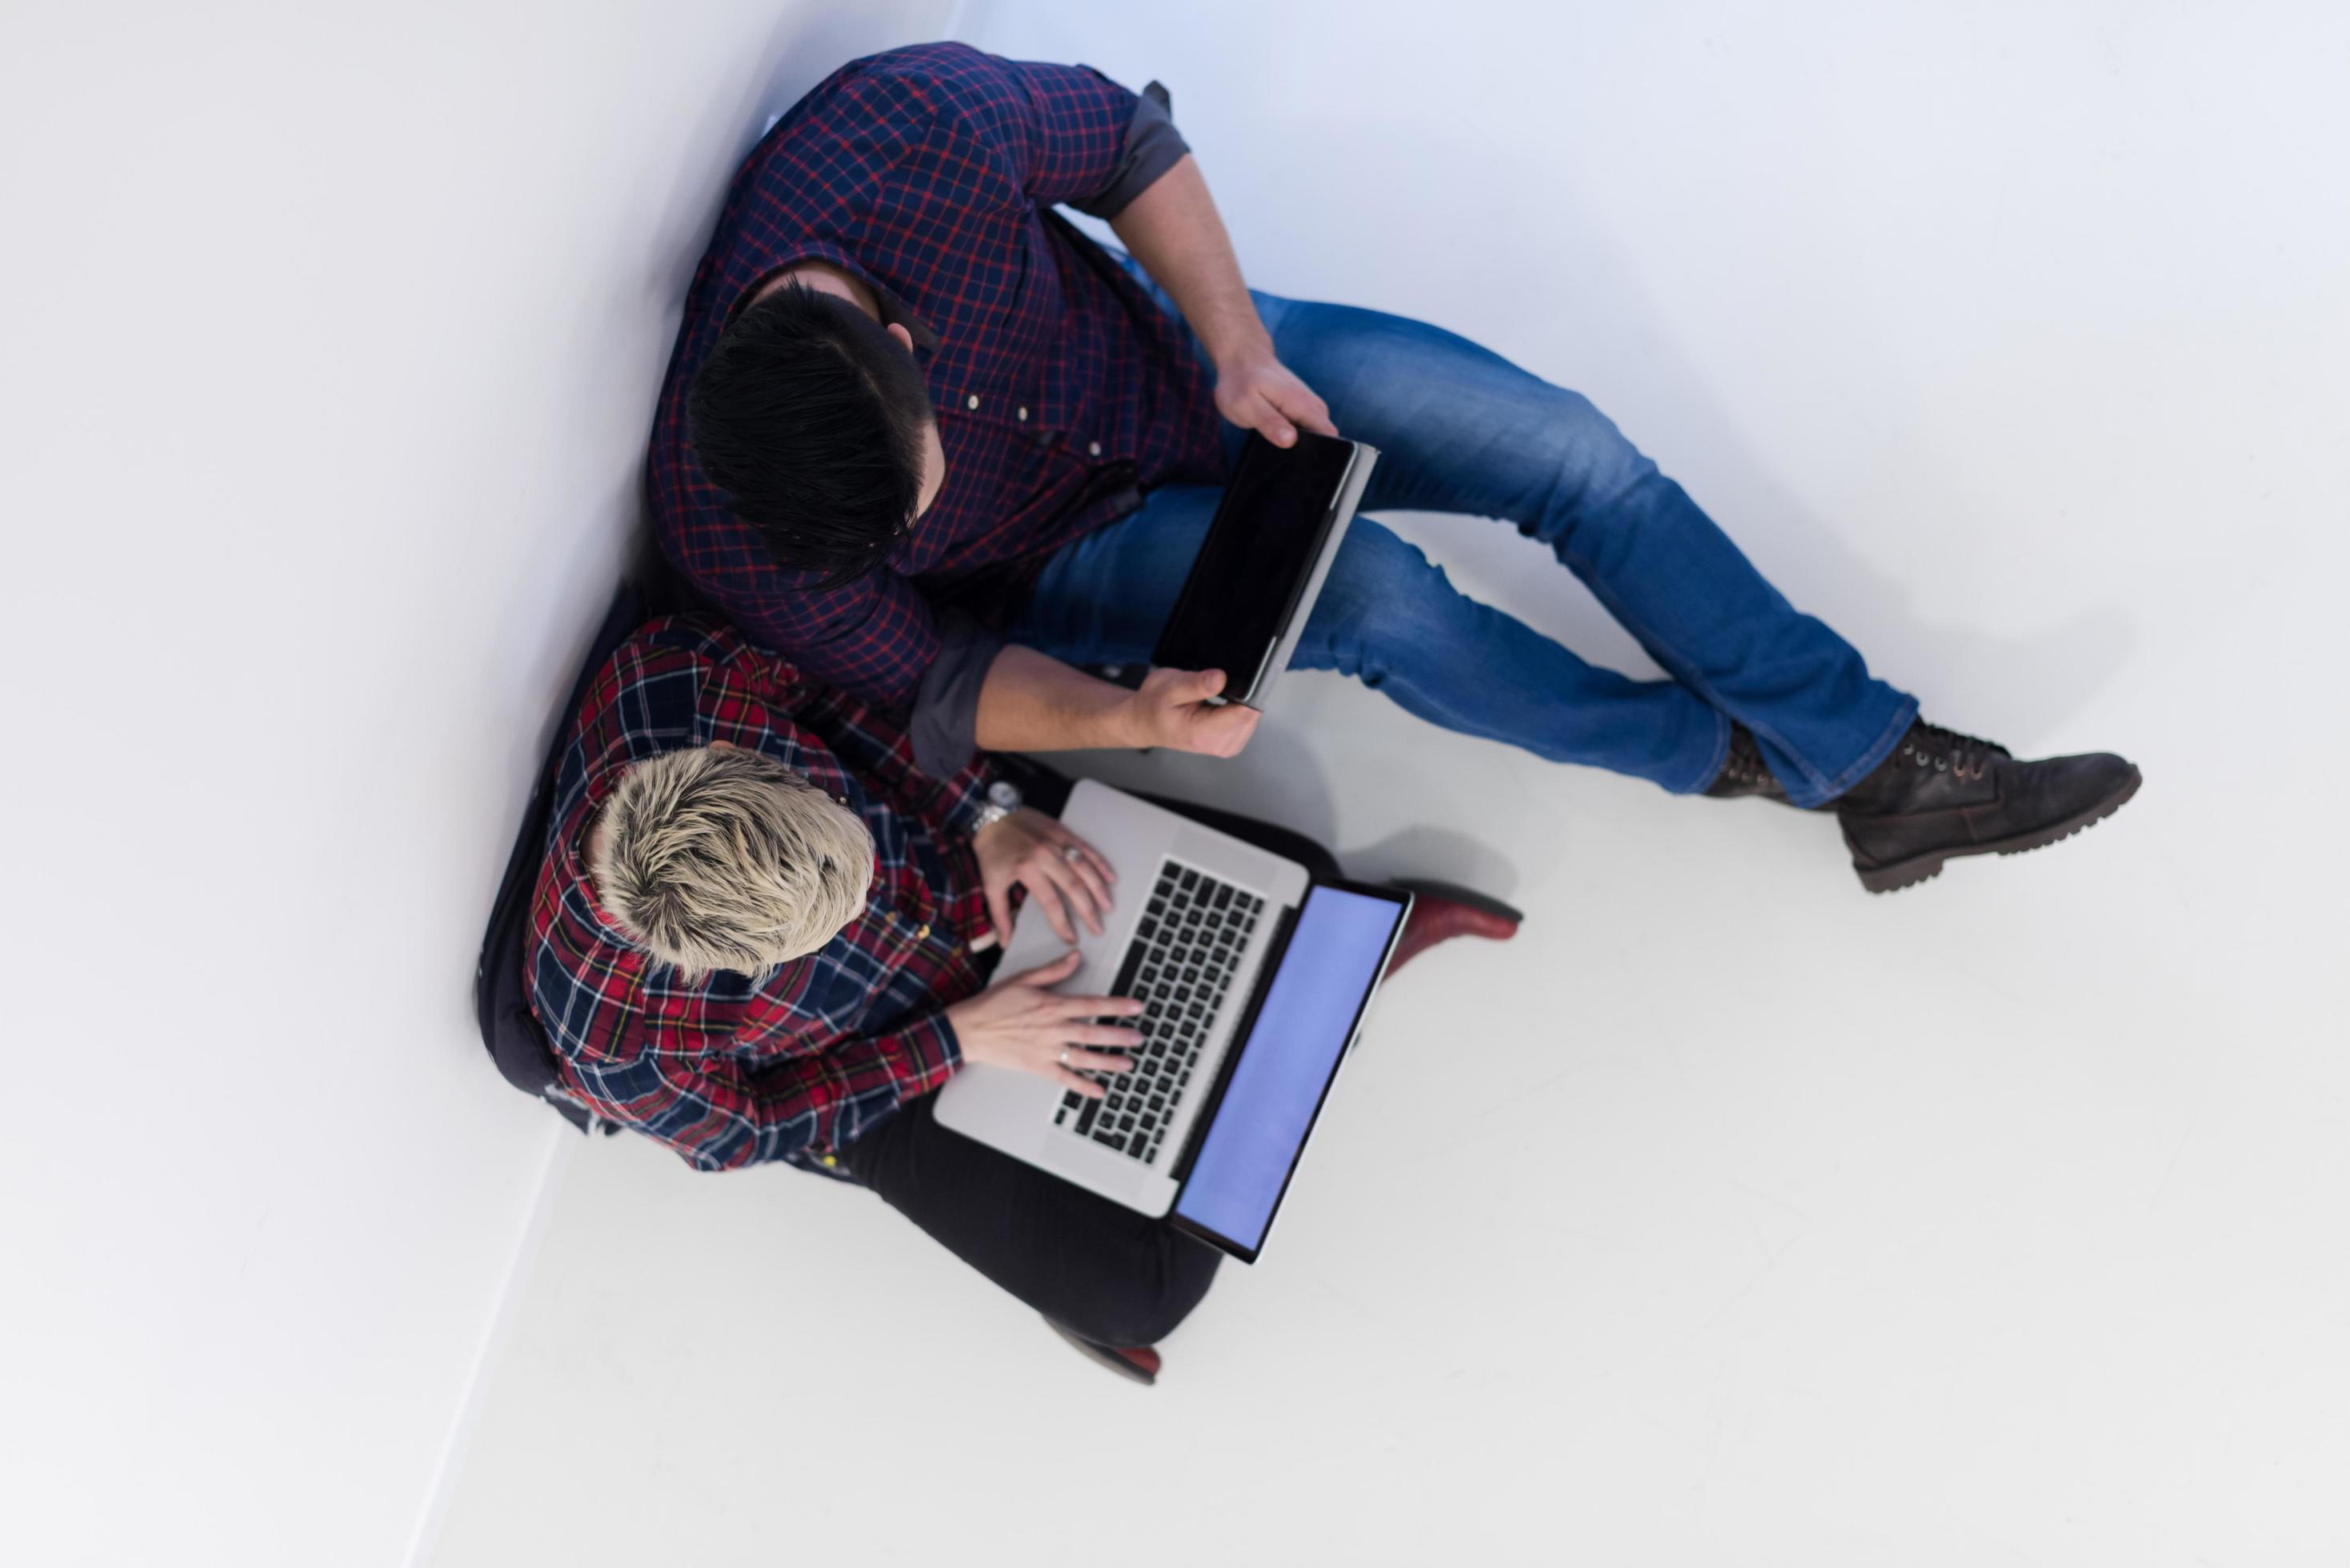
point(1286, 1063)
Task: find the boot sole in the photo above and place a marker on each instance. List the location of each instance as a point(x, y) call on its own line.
point(1924, 868)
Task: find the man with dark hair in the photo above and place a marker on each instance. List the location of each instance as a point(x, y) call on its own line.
point(923, 437)
point(813, 419)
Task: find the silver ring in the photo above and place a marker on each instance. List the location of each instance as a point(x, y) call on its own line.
point(1065, 1058)
point(1072, 853)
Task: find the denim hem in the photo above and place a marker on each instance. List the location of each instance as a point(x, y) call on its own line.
point(1904, 715)
point(1719, 758)
point(1816, 789)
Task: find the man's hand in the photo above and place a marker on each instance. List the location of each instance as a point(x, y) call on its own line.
point(1020, 1024)
point(1061, 871)
point(1257, 391)
point(1172, 229)
point(1172, 710)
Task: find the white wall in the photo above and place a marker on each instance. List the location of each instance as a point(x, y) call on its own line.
point(1731, 1215)
point(329, 340)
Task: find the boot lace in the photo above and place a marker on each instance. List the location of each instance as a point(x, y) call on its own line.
point(1950, 751)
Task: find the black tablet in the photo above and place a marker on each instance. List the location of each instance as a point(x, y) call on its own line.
point(1284, 515)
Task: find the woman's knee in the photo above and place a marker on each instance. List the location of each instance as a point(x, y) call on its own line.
point(1149, 1305)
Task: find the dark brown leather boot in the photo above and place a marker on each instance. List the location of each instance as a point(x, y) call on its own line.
point(1942, 794)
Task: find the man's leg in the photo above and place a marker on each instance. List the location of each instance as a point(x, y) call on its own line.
point(1463, 429)
point(1106, 1273)
point(1394, 620)
point(1460, 429)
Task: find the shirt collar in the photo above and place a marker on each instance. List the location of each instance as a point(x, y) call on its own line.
point(895, 311)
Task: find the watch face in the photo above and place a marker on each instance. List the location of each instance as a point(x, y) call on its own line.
point(1004, 794)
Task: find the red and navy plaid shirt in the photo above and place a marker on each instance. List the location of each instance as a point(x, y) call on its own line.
point(1062, 389)
point(727, 1072)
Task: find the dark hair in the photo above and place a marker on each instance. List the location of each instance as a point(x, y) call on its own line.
point(809, 416)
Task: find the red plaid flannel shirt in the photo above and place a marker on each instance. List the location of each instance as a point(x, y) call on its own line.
point(726, 1072)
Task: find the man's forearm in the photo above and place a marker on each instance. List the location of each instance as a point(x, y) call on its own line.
point(1034, 703)
point(1173, 230)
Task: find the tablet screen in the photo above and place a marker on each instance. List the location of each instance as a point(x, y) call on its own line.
point(1287, 1063)
point(1261, 547)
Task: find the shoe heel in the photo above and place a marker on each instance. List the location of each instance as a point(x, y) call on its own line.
point(1893, 879)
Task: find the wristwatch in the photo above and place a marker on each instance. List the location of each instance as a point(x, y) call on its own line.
point(1002, 800)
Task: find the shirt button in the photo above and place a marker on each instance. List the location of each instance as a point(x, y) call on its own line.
point(1094, 447)
point(971, 401)
point(1024, 416)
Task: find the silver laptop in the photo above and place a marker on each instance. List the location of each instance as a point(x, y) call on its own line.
point(1256, 980)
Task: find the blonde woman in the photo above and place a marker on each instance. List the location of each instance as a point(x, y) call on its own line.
point(761, 934)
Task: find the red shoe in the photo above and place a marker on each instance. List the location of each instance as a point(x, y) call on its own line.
point(1441, 911)
point(1135, 1363)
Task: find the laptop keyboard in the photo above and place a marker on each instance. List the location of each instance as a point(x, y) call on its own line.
point(1185, 951)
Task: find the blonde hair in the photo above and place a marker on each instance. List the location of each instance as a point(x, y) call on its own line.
point(720, 857)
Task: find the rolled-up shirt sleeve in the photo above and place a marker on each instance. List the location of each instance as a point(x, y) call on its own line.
point(1062, 133)
point(1153, 146)
point(945, 720)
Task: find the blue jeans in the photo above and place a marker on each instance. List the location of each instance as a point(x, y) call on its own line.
point(1460, 429)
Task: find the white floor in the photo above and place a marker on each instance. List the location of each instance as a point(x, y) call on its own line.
point(1730, 1216)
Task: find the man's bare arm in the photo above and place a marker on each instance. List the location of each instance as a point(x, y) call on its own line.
point(1174, 231)
point(1031, 702)
point(1034, 703)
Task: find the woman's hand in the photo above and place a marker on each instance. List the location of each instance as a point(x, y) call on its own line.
point(1061, 871)
point(1020, 1024)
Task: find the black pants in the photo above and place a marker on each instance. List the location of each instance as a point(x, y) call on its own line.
point(1090, 1265)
